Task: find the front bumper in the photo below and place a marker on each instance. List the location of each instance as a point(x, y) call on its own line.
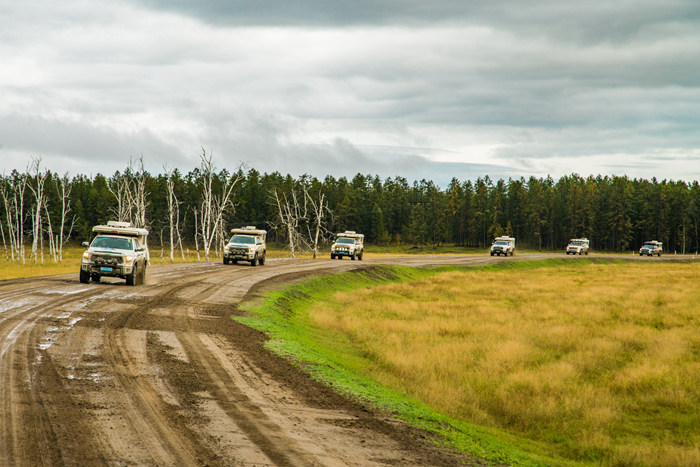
point(111, 271)
point(238, 255)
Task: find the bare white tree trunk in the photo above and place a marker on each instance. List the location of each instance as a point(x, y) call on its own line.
point(319, 213)
point(173, 212)
point(213, 205)
point(34, 171)
point(64, 187)
point(291, 213)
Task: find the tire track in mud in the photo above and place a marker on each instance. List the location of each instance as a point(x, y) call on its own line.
point(28, 432)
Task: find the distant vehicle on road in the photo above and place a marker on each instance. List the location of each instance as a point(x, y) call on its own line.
point(578, 245)
point(118, 250)
point(503, 246)
point(651, 248)
point(348, 243)
point(247, 244)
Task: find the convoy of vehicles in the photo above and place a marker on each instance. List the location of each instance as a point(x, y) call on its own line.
point(503, 246)
point(348, 243)
point(118, 250)
point(247, 244)
point(651, 248)
point(578, 246)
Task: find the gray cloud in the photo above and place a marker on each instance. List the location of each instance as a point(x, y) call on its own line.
point(510, 87)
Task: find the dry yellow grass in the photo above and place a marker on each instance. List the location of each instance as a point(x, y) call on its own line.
point(601, 362)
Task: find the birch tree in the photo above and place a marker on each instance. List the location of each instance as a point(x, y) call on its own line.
point(37, 188)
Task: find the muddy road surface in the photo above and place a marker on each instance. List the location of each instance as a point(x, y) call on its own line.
point(103, 374)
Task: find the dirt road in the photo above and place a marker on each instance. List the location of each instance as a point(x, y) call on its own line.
point(158, 375)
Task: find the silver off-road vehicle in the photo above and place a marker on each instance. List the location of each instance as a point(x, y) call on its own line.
point(118, 250)
point(503, 246)
point(247, 244)
point(651, 248)
point(578, 246)
point(348, 243)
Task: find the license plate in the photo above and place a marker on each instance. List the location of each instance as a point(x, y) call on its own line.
point(106, 269)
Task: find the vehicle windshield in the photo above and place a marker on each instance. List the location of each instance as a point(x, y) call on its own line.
point(575, 244)
point(242, 239)
point(346, 240)
point(501, 242)
point(113, 242)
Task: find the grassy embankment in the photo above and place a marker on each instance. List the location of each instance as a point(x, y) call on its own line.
point(581, 364)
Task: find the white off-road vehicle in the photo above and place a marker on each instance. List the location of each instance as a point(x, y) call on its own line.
point(247, 244)
point(349, 244)
point(503, 246)
point(578, 246)
point(118, 250)
point(651, 248)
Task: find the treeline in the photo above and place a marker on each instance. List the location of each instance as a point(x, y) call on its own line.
point(615, 213)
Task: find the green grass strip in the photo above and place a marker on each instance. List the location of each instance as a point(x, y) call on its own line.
point(283, 316)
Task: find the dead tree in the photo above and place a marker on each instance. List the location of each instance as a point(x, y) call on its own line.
point(129, 189)
point(291, 214)
point(64, 187)
point(173, 212)
point(320, 211)
point(214, 205)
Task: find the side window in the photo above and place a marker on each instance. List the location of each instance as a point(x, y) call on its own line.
point(136, 244)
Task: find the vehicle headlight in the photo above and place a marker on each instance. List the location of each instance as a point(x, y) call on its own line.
point(226, 248)
point(129, 259)
point(87, 255)
point(251, 249)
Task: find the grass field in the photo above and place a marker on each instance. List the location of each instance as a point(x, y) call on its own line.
point(597, 364)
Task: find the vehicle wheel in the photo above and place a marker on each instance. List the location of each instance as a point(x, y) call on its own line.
point(254, 261)
point(84, 277)
point(332, 256)
point(352, 257)
point(262, 260)
point(234, 261)
point(131, 278)
point(492, 253)
point(640, 254)
point(95, 278)
point(586, 252)
point(225, 260)
point(360, 256)
point(579, 253)
point(340, 257)
point(567, 253)
point(659, 254)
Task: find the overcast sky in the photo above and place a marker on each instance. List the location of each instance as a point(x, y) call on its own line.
point(401, 87)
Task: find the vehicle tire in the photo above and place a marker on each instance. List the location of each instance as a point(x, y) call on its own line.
point(352, 257)
point(659, 254)
point(131, 278)
point(586, 252)
point(84, 277)
point(580, 253)
point(567, 253)
point(234, 261)
point(640, 254)
point(142, 276)
point(360, 255)
point(340, 257)
point(254, 261)
point(225, 260)
point(332, 256)
point(262, 260)
point(492, 253)
point(95, 278)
